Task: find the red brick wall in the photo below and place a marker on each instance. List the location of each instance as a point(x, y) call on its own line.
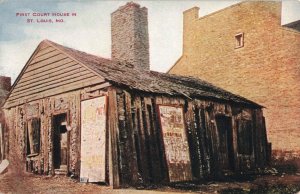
point(266, 70)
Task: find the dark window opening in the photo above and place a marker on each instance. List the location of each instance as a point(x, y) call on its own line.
point(33, 136)
point(239, 40)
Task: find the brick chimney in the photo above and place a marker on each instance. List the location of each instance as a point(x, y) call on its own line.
point(130, 39)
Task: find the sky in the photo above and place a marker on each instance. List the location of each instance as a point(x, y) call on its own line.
point(89, 30)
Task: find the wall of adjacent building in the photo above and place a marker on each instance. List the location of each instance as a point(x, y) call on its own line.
point(266, 69)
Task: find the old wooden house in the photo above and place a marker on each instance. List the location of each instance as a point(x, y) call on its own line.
point(115, 121)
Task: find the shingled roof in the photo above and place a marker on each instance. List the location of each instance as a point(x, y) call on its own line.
point(125, 74)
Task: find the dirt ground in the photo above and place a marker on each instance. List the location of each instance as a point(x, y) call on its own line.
point(30, 183)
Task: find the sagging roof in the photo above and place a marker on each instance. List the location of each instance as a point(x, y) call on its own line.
point(125, 74)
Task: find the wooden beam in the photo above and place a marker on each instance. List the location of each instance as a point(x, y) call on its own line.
point(53, 67)
point(44, 51)
point(47, 86)
point(53, 59)
point(133, 165)
point(55, 91)
point(67, 75)
point(114, 133)
point(44, 57)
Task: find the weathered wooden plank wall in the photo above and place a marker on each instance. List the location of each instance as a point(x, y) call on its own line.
point(135, 151)
point(50, 72)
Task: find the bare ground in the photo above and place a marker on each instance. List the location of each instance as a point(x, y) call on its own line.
point(30, 183)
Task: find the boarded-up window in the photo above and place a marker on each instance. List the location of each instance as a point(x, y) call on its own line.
point(33, 136)
point(244, 137)
point(175, 143)
point(93, 140)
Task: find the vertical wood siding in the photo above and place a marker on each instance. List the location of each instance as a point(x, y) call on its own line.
point(136, 154)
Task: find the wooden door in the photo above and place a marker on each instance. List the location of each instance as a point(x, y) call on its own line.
point(226, 157)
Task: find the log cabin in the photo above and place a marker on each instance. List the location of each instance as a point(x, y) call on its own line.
point(116, 121)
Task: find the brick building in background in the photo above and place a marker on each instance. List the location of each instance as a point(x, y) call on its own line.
point(245, 49)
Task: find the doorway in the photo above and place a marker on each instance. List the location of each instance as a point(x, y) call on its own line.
point(226, 154)
point(60, 143)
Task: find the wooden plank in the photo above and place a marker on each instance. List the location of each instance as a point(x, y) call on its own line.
point(45, 62)
point(205, 135)
point(54, 91)
point(193, 139)
point(214, 142)
point(235, 142)
point(205, 140)
point(77, 132)
point(153, 141)
point(132, 157)
point(147, 133)
point(142, 137)
point(51, 79)
point(114, 132)
point(158, 100)
point(46, 126)
point(97, 87)
point(53, 84)
point(44, 51)
point(54, 67)
point(47, 74)
point(123, 140)
point(43, 46)
point(175, 143)
point(44, 57)
point(110, 158)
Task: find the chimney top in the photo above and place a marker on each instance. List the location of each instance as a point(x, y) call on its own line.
point(130, 39)
point(129, 5)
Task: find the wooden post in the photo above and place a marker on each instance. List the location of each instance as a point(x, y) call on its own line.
point(142, 141)
point(113, 132)
point(235, 142)
point(132, 149)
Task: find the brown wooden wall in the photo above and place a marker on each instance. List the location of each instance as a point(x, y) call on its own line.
point(136, 154)
point(139, 151)
point(50, 72)
point(43, 109)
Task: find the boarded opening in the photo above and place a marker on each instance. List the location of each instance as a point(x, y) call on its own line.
point(60, 142)
point(33, 136)
point(226, 156)
point(93, 140)
point(175, 143)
